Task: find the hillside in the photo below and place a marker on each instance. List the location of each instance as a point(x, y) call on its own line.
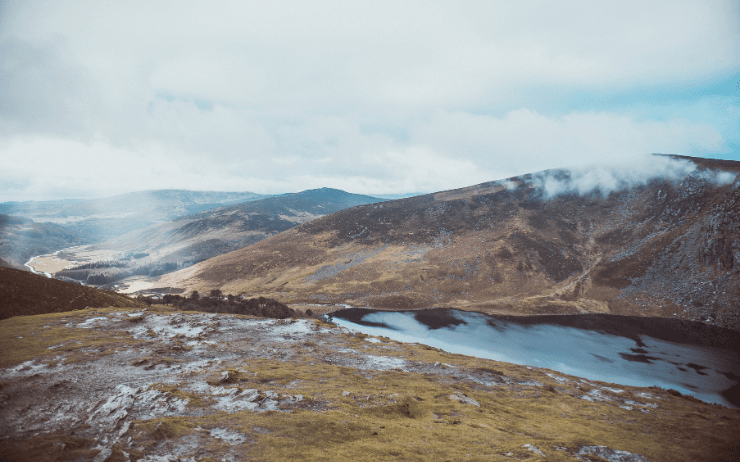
point(24, 294)
point(22, 238)
point(194, 238)
point(666, 247)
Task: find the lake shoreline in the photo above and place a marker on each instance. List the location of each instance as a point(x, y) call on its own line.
point(672, 330)
point(659, 343)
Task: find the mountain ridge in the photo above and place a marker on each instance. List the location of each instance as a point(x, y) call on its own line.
point(667, 246)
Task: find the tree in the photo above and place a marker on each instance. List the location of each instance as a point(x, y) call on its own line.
point(216, 293)
point(195, 295)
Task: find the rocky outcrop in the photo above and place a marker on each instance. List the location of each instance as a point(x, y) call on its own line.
point(721, 248)
point(722, 253)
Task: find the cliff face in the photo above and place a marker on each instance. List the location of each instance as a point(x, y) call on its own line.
point(722, 246)
point(665, 247)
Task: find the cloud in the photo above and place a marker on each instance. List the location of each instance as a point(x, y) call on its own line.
point(449, 150)
point(293, 56)
point(524, 141)
point(383, 97)
point(605, 179)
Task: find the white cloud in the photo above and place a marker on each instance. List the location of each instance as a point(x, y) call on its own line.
point(448, 151)
point(386, 97)
point(524, 141)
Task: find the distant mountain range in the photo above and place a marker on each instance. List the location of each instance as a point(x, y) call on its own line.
point(33, 228)
point(670, 247)
point(194, 238)
point(99, 219)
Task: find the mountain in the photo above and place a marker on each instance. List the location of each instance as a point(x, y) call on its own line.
point(24, 294)
point(100, 219)
point(664, 247)
point(194, 238)
point(22, 238)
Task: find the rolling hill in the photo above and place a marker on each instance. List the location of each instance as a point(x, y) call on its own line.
point(25, 294)
point(664, 247)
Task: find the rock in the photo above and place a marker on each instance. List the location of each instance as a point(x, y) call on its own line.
point(612, 455)
point(103, 455)
point(229, 436)
point(464, 399)
point(535, 449)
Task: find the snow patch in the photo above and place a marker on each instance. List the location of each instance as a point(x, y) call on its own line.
point(229, 436)
point(383, 363)
point(535, 449)
point(167, 458)
point(612, 455)
point(92, 322)
point(464, 399)
point(24, 369)
point(558, 378)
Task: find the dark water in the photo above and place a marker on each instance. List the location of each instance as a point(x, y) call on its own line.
point(693, 358)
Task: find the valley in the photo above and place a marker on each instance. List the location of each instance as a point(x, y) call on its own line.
point(179, 243)
point(34, 228)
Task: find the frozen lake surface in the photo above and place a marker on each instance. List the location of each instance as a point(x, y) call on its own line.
point(692, 358)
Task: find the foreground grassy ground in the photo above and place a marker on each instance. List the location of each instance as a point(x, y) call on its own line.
point(124, 384)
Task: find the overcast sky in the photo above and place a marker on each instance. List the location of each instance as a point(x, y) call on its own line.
point(100, 98)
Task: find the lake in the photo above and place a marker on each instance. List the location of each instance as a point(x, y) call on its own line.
point(691, 357)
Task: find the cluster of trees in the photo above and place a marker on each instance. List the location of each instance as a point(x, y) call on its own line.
point(102, 264)
point(155, 269)
point(216, 302)
point(101, 273)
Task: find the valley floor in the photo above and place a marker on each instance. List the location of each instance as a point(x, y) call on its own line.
point(163, 385)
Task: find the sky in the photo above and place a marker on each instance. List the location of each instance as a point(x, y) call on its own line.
point(383, 97)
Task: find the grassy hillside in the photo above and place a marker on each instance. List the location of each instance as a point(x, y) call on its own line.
point(24, 294)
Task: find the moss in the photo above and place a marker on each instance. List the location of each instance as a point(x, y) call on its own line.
point(117, 455)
